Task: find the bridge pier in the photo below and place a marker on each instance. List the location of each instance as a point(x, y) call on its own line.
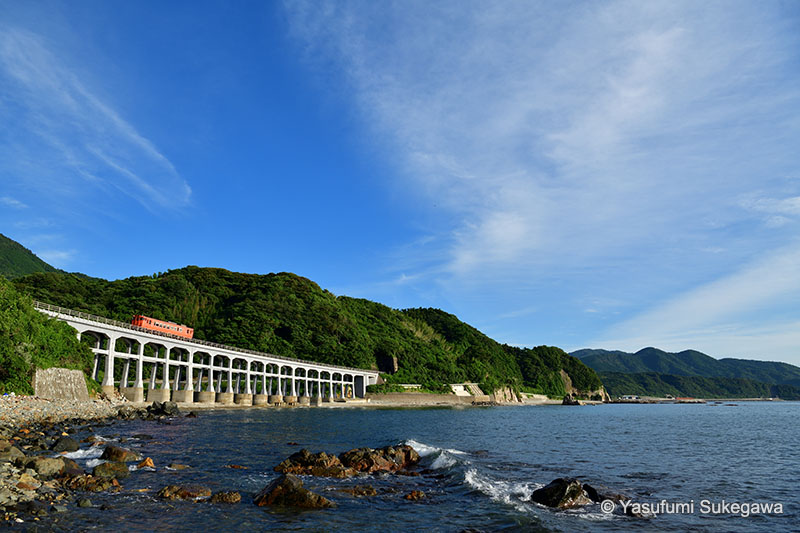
point(158, 395)
point(275, 399)
point(205, 396)
point(243, 398)
point(183, 396)
point(133, 394)
point(260, 399)
point(225, 398)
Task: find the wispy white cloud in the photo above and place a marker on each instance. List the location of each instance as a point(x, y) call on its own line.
point(13, 203)
point(736, 312)
point(66, 138)
point(57, 258)
point(617, 137)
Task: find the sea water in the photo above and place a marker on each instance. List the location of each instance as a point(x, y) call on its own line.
point(692, 467)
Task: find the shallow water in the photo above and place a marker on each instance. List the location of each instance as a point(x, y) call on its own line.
point(486, 462)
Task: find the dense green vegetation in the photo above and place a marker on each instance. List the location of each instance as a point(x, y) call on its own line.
point(30, 340)
point(16, 260)
point(288, 315)
point(659, 385)
point(689, 363)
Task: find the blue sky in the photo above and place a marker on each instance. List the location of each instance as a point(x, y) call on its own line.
point(580, 174)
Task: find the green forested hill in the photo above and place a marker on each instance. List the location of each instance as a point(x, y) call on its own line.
point(659, 385)
point(289, 315)
point(16, 260)
point(30, 340)
point(689, 363)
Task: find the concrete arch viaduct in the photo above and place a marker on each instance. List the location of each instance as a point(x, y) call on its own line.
point(192, 370)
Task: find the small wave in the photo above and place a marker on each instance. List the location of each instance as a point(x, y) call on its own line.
point(442, 458)
point(91, 463)
point(85, 453)
point(424, 450)
point(509, 493)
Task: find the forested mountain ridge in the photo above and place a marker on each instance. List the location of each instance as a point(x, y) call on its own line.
point(16, 260)
point(689, 363)
point(286, 314)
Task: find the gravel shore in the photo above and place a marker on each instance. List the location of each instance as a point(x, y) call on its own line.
point(21, 411)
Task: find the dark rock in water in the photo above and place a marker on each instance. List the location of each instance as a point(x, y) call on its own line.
point(388, 459)
point(178, 466)
point(226, 497)
point(191, 414)
point(314, 464)
point(349, 463)
point(600, 493)
point(111, 470)
point(122, 455)
point(407, 473)
point(71, 468)
point(415, 495)
point(569, 400)
point(184, 492)
point(87, 483)
point(562, 493)
point(288, 491)
point(360, 490)
point(84, 502)
point(65, 444)
point(158, 409)
point(236, 467)
point(143, 436)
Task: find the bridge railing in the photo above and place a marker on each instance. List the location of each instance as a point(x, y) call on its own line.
point(117, 323)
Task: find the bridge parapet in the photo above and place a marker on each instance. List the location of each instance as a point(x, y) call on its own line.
point(201, 368)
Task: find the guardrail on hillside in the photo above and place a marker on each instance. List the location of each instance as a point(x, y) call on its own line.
point(117, 323)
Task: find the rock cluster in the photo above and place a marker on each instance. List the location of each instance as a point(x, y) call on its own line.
point(154, 411)
point(288, 491)
point(350, 463)
point(569, 493)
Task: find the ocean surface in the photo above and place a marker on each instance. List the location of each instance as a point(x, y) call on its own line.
point(485, 463)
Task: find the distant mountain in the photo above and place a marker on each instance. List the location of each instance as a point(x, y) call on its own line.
point(688, 363)
point(16, 260)
point(659, 385)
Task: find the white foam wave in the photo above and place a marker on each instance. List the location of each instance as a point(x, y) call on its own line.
point(424, 450)
point(91, 463)
point(445, 460)
point(85, 453)
point(509, 493)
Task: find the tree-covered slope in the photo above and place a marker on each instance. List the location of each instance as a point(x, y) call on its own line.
point(16, 260)
point(30, 340)
point(689, 363)
point(288, 315)
point(659, 385)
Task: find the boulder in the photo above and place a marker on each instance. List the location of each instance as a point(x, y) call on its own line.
point(147, 463)
point(184, 492)
point(178, 466)
point(157, 409)
point(111, 470)
point(288, 491)
point(88, 483)
point(415, 495)
point(562, 493)
point(387, 459)
point(314, 464)
point(226, 497)
point(120, 455)
point(65, 444)
point(569, 400)
point(360, 490)
point(46, 467)
point(71, 468)
point(9, 453)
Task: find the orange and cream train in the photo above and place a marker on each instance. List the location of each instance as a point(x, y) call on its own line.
point(162, 326)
